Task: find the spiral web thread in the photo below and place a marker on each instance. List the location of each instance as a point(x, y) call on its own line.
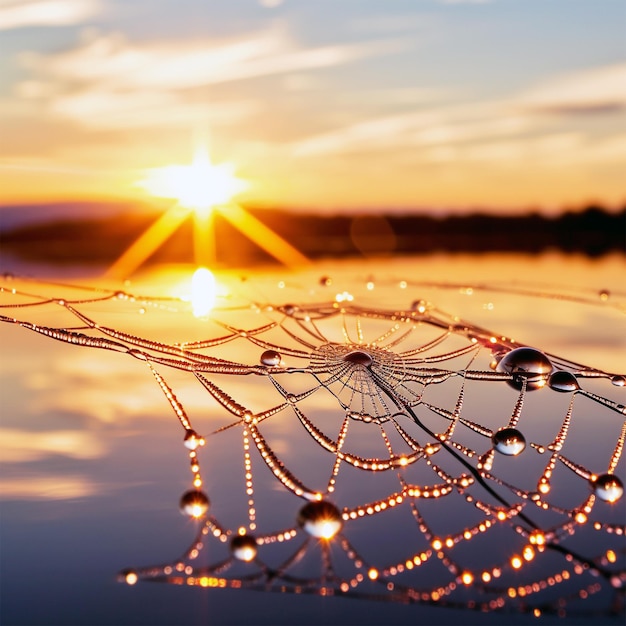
point(402, 423)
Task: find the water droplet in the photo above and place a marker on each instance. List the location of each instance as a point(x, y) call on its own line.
point(326, 281)
point(526, 363)
point(419, 305)
point(618, 381)
point(563, 381)
point(608, 487)
point(604, 294)
point(243, 547)
point(271, 358)
point(358, 357)
point(320, 519)
point(289, 309)
point(192, 440)
point(194, 503)
point(508, 441)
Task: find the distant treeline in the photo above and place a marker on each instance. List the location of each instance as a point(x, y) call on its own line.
point(592, 231)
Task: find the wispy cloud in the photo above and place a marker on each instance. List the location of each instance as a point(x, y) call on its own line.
point(521, 116)
point(434, 126)
point(25, 13)
point(596, 90)
point(21, 446)
point(108, 81)
point(45, 488)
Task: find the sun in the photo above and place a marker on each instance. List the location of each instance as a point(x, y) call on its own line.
point(199, 186)
point(199, 190)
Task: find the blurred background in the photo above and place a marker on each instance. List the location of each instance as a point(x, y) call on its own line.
point(356, 127)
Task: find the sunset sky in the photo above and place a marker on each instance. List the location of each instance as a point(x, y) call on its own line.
point(329, 104)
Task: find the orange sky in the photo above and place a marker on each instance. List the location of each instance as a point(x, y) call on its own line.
point(451, 104)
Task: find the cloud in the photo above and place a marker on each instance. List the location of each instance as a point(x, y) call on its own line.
point(597, 90)
point(601, 90)
point(183, 65)
point(430, 127)
point(110, 82)
point(45, 488)
point(112, 109)
point(24, 13)
point(19, 446)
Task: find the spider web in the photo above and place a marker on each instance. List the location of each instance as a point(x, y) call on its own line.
point(393, 454)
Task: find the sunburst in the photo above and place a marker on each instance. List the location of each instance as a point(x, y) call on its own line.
point(200, 189)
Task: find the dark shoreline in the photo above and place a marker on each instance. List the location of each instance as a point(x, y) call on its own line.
point(593, 232)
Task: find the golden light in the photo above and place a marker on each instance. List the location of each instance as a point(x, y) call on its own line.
point(580, 517)
point(538, 538)
point(528, 553)
point(328, 528)
point(203, 292)
point(199, 186)
point(516, 562)
point(200, 189)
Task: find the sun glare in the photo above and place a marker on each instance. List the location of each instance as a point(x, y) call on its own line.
point(199, 186)
point(200, 190)
point(203, 292)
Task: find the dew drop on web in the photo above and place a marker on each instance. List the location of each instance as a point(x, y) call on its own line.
point(243, 547)
point(508, 441)
point(320, 519)
point(526, 363)
point(194, 503)
point(563, 381)
point(192, 440)
point(270, 358)
point(608, 487)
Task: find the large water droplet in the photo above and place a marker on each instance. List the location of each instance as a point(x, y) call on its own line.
point(618, 381)
point(320, 519)
point(243, 547)
point(508, 441)
point(358, 357)
point(271, 358)
point(526, 363)
point(194, 503)
point(563, 381)
point(608, 487)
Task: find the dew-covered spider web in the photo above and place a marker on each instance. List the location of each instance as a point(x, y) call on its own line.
point(367, 443)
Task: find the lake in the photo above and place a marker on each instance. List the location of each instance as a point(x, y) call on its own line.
point(348, 354)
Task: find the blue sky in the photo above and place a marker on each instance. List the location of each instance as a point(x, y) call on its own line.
point(344, 104)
